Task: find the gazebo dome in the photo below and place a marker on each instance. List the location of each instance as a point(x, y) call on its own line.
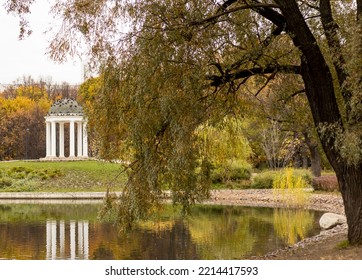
point(65, 107)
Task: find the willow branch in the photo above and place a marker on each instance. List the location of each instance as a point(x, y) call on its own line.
point(217, 81)
point(230, 11)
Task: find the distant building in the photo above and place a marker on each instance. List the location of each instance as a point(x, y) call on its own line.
point(64, 111)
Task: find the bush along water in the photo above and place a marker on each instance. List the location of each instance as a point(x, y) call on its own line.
point(233, 174)
point(289, 185)
point(266, 179)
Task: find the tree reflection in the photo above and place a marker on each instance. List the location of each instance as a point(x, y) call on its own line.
point(292, 224)
point(211, 232)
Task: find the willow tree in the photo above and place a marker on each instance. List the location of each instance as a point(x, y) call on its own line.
point(169, 66)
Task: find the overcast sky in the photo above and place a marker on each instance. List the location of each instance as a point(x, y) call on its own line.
point(28, 57)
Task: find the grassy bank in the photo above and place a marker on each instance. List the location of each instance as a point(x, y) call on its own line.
point(21, 176)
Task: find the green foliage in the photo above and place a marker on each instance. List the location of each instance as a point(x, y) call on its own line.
point(60, 176)
point(264, 180)
point(21, 172)
point(5, 182)
point(23, 178)
point(305, 174)
point(289, 177)
point(343, 245)
point(228, 151)
point(233, 171)
point(224, 143)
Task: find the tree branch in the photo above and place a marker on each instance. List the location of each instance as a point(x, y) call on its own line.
point(229, 11)
point(258, 52)
point(331, 28)
point(270, 14)
point(217, 81)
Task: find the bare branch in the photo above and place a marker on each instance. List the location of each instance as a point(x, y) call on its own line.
point(20, 9)
point(270, 77)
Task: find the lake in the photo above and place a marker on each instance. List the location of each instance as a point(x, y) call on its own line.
point(72, 230)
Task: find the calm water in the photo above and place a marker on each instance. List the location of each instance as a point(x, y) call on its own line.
point(72, 231)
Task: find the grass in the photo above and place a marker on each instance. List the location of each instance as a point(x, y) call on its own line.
point(72, 176)
point(79, 176)
point(343, 245)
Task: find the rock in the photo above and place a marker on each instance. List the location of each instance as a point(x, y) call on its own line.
point(330, 220)
point(327, 183)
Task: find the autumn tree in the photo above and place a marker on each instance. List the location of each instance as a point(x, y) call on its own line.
point(182, 63)
point(279, 120)
point(22, 111)
point(100, 120)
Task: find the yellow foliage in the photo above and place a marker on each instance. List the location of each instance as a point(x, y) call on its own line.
point(225, 143)
point(20, 117)
point(33, 92)
point(290, 188)
point(13, 105)
point(291, 226)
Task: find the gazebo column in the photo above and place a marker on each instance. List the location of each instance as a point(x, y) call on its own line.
point(71, 139)
point(53, 144)
point(48, 138)
point(61, 139)
point(79, 140)
point(85, 140)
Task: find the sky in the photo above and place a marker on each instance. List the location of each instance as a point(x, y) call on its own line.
point(28, 56)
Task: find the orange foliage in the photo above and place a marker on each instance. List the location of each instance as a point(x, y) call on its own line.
point(22, 124)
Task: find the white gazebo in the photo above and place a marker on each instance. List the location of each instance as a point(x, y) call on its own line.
point(65, 111)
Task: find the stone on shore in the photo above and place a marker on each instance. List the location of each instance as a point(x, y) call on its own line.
point(330, 220)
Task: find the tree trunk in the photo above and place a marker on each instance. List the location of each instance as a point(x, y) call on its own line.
point(322, 101)
point(315, 156)
point(349, 179)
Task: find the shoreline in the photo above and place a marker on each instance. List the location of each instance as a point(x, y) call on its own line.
point(307, 248)
point(248, 197)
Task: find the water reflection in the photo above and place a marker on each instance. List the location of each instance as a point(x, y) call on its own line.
point(212, 232)
point(62, 239)
point(292, 224)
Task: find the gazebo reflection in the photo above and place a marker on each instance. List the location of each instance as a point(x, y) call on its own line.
point(67, 240)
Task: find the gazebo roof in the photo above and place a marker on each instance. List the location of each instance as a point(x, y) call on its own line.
point(65, 107)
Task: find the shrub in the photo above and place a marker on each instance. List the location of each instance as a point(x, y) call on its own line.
point(5, 182)
point(235, 171)
point(328, 183)
point(305, 174)
point(291, 185)
point(290, 178)
point(20, 172)
point(22, 185)
point(268, 179)
point(20, 178)
point(264, 180)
